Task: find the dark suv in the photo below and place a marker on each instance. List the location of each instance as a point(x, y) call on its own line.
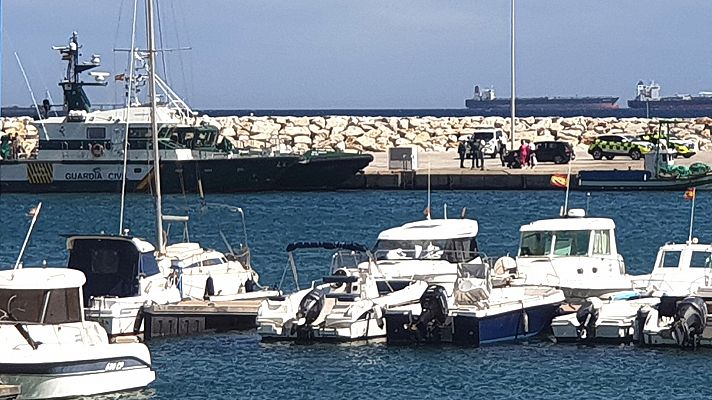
point(554, 151)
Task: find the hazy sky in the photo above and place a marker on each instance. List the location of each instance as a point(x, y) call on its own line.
point(372, 53)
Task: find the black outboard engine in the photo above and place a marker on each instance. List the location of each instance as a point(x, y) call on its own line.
point(309, 309)
point(689, 322)
point(433, 315)
point(209, 288)
point(587, 315)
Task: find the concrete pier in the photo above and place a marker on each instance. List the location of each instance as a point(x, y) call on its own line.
point(445, 174)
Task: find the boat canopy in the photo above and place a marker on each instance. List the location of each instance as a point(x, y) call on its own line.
point(112, 264)
point(327, 246)
point(41, 278)
point(569, 224)
point(432, 229)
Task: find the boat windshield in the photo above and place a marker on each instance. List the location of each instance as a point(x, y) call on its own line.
point(701, 259)
point(554, 243)
point(451, 250)
point(40, 306)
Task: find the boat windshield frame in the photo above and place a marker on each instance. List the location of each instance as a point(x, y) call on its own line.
point(455, 250)
point(580, 243)
point(41, 306)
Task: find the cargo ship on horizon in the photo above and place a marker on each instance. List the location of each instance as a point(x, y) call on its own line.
point(648, 98)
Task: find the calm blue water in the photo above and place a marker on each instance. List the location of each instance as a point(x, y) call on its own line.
point(240, 366)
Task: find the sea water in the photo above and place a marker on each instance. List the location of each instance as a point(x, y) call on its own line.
point(238, 365)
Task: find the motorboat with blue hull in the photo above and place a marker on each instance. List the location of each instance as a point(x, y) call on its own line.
point(476, 314)
point(346, 305)
point(676, 290)
point(50, 350)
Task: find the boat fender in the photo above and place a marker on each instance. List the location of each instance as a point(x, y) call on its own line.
point(209, 288)
point(97, 150)
point(586, 315)
point(138, 322)
point(689, 321)
point(378, 313)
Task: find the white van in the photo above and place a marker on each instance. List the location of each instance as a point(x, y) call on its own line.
point(490, 137)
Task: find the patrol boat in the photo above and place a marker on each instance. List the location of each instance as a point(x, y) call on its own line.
point(84, 150)
point(347, 305)
point(574, 252)
point(649, 315)
point(476, 313)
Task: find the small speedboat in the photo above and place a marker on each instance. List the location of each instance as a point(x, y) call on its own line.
point(347, 305)
point(48, 348)
point(674, 292)
point(574, 252)
point(475, 313)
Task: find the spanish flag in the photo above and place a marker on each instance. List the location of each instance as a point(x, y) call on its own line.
point(559, 181)
point(120, 77)
point(689, 194)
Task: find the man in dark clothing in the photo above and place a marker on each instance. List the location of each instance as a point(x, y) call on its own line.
point(474, 145)
point(502, 150)
point(462, 150)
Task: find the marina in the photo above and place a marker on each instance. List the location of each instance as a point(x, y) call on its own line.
point(149, 250)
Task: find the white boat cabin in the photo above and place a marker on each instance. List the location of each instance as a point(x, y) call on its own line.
point(570, 251)
point(681, 269)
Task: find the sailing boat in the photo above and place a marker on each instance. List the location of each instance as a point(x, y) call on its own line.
point(46, 345)
point(125, 273)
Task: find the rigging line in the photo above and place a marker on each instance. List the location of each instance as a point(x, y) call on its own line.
point(127, 116)
point(113, 58)
point(188, 91)
point(32, 94)
point(160, 40)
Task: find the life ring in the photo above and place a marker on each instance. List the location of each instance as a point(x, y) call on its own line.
point(97, 150)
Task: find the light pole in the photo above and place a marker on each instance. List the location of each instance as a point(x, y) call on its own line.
point(514, 81)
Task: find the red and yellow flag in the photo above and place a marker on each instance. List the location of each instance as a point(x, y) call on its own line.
point(559, 180)
point(689, 194)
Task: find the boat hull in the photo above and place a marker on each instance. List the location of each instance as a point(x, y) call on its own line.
point(470, 330)
point(219, 175)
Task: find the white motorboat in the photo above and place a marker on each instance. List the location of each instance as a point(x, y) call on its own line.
point(575, 253)
point(48, 348)
point(346, 305)
point(646, 315)
point(477, 313)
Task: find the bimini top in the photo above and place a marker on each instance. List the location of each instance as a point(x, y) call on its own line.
point(141, 245)
point(432, 229)
point(41, 278)
point(569, 224)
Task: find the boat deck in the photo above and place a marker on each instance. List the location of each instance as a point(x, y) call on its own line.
point(192, 317)
point(9, 391)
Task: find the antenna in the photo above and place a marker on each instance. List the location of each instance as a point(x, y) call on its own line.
point(35, 213)
point(568, 184)
point(693, 192)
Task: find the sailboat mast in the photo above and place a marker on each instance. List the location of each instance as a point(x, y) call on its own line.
point(514, 81)
point(154, 125)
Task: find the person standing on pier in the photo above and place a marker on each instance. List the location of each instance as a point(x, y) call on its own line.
point(524, 153)
point(462, 150)
point(502, 149)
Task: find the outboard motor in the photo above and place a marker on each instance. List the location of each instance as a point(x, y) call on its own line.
point(209, 288)
point(689, 322)
point(587, 315)
point(309, 309)
point(433, 315)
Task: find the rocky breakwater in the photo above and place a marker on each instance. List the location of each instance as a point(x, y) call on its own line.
point(377, 134)
point(18, 138)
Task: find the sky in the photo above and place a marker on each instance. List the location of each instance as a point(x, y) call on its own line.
point(369, 54)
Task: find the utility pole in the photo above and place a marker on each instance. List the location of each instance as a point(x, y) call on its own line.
point(514, 81)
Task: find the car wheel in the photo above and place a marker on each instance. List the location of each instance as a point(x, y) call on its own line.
point(635, 154)
point(558, 159)
point(610, 157)
point(597, 154)
point(687, 155)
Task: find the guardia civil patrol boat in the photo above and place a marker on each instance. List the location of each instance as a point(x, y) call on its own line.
point(84, 150)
